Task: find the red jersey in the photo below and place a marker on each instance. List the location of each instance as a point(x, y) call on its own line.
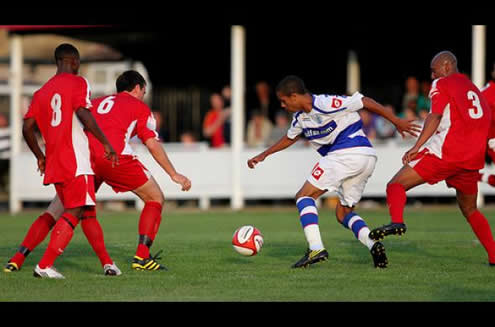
point(217, 139)
point(461, 137)
point(54, 108)
point(489, 93)
point(121, 116)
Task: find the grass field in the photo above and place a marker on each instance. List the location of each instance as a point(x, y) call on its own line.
point(439, 259)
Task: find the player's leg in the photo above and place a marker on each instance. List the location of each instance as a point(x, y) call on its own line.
point(36, 234)
point(149, 223)
point(308, 217)
point(405, 179)
point(466, 199)
point(75, 195)
point(94, 234)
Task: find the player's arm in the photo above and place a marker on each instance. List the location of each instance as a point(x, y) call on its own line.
point(159, 154)
point(90, 124)
point(430, 126)
point(28, 131)
point(282, 144)
point(402, 125)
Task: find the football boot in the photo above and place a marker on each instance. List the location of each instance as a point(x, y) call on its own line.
point(379, 233)
point(311, 257)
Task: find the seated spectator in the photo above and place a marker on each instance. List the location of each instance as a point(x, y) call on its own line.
point(280, 129)
point(187, 138)
point(423, 102)
point(412, 91)
point(369, 127)
point(258, 129)
point(214, 121)
point(384, 128)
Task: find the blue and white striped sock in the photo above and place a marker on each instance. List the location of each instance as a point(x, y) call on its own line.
point(308, 214)
point(358, 226)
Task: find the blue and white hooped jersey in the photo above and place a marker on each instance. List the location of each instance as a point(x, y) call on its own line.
point(333, 125)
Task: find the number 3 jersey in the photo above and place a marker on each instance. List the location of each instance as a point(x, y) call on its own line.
point(462, 135)
point(121, 116)
point(54, 108)
point(333, 125)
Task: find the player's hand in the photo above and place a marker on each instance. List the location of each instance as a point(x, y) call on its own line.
point(410, 155)
point(407, 126)
point(41, 166)
point(255, 160)
point(111, 155)
point(183, 181)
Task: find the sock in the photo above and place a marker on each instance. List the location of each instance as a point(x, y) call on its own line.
point(483, 232)
point(358, 226)
point(59, 239)
point(309, 220)
point(92, 229)
point(35, 235)
point(149, 222)
point(396, 201)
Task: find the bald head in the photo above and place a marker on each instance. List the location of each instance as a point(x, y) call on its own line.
point(443, 64)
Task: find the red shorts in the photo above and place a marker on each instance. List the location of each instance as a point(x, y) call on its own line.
point(433, 170)
point(77, 192)
point(128, 175)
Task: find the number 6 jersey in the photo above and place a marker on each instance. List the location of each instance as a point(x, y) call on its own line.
point(462, 135)
point(54, 108)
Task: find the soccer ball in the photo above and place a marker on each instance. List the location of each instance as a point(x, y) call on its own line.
point(247, 240)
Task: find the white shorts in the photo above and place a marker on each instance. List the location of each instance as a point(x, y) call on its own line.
point(345, 174)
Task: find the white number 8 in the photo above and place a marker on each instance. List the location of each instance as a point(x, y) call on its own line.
point(476, 112)
point(56, 105)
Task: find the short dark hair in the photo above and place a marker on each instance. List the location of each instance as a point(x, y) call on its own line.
point(128, 80)
point(291, 84)
point(65, 50)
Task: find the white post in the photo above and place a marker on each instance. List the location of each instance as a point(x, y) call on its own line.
point(353, 78)
point(478, 73)
point(15, 85)
point(237, 80)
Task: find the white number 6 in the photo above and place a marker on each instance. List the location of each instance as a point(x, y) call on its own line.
point(476, 112)
point(56, 105)
point(106, 105)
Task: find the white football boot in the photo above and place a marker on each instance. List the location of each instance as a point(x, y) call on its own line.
point(111, 270)
point(48, 272)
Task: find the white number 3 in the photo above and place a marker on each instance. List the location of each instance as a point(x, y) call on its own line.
point(477, 111)
point(56, 105)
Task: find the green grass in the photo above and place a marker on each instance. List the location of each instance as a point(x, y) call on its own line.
point(438, 259)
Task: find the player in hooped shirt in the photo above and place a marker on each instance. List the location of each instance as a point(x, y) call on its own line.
point(334, 128)
point(121, 116)
point(450, 148)
point(60, 109)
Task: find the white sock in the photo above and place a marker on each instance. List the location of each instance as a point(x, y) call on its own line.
point(313, 236)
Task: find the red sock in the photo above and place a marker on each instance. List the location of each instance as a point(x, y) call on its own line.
point(92, 229)
point(59, 239)
point(35, 235)
point(396, 200)
point(149, 221)
point(482, 229)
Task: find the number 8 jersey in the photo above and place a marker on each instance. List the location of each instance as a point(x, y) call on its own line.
point(54, 108)
point(462, 135)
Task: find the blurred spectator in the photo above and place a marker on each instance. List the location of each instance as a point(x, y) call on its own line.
point(4, 152)
point(423, 98)
point(411, 93)
point(227, 95)
point(258, 129)
point(280, 129)
point(384, 128)
point(214, 121)
point(159, 124)
point(410, 111)
point(369, 127)
point(264, 100)
point(188, 138)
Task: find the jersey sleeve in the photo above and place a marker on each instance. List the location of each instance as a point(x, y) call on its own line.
point(146, 124)
point(295, 127)
point(33, 107)
point(438, 96)
point(81, 95)
point(330, 104)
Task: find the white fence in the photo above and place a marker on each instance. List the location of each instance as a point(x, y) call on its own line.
point(210, 170)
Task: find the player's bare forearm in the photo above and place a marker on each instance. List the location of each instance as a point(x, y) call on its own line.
point(90, 124)
point(431, 124)
point(30, 137)
point(282, 144)
point(160, 156)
